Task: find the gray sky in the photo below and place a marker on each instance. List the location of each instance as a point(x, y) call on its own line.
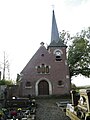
point(26, 23)
point(75, 3)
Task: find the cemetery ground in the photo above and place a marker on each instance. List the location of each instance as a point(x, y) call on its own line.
point(47, 109)
point(44, 109)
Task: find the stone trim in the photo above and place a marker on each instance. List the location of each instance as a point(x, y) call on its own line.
point(36, 85)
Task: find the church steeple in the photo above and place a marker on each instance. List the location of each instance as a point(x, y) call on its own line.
point(54, 32)
point(56, 41)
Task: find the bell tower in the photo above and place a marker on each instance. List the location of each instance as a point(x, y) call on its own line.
point(57, 47)
point(57, 51)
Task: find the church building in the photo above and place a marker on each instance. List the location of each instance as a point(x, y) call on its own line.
point(47, 72)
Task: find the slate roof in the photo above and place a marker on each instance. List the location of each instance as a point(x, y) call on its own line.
point(57, 44)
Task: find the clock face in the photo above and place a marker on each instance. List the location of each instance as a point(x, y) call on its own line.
point(58, 53)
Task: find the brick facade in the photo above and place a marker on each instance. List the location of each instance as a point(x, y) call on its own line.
point(58, 72)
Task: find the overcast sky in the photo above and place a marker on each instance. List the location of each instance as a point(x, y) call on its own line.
point(26, 23)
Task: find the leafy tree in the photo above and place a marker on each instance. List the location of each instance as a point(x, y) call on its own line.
point(79, 54)
point(9, 82)
point(2, 82)
point(6, 82)
point(65, 36)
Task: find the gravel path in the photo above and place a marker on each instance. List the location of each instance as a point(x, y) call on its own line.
point(48, 110)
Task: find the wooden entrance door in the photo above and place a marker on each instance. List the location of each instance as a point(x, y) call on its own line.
point(43, 88)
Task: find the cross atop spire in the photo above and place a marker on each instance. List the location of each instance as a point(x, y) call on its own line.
point(54, 32)
point(53, 7)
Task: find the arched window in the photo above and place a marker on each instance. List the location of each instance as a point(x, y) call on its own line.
point(47, 69)
point(58, 56)
point(43, 69)
point(38, 69)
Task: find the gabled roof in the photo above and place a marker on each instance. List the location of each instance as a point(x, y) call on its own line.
point(55, 39)
point(40, 56)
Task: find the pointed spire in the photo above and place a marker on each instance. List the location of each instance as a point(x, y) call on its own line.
point(54, 32)
point(56, 41)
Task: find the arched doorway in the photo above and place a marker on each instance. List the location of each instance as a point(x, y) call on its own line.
point(43, 88)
